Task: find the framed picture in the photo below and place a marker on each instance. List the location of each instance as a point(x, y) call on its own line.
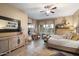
point(9, 25)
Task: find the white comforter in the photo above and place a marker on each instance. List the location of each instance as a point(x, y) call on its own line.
point(59, 40)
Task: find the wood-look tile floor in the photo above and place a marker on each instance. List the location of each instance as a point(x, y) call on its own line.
point(35, 48)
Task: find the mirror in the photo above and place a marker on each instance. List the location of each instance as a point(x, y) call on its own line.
point(9, 24)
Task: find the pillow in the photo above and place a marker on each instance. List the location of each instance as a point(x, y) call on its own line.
point(64, 36)
point(75, 37)
point(67, 35)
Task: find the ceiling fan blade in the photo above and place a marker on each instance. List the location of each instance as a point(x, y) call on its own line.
point(53, 8)
point(42, 11)
point(48, 6)
point(52, 11)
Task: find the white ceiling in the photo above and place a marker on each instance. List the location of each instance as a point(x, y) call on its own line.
point(33, 9)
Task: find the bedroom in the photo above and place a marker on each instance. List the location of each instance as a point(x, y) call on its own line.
point(45, 29)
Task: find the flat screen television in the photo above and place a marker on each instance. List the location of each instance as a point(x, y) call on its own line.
point(9, 24)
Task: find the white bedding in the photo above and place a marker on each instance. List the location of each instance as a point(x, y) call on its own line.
point(58, 40)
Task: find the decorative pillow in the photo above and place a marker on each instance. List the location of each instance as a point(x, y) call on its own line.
point(68, 35)
point(75, 37)
point(64, 36)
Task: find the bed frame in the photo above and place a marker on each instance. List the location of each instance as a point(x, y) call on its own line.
point(63, 48)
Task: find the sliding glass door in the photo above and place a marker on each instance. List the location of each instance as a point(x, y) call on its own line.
point(47, 29)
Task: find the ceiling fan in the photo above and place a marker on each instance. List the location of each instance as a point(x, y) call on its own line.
point(48, 9)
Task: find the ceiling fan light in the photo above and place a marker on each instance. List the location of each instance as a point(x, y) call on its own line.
point(48, 12)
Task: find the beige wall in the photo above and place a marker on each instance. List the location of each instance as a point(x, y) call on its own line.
point(47, 21)
point(72, 20)
point(12, 12)
point(76, 18)
point(69, 19)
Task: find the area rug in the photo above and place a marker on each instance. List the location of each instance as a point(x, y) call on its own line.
point(59, 54)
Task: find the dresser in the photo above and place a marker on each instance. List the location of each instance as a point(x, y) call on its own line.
point(10, 43)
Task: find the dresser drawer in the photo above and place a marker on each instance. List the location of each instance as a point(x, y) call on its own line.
point(4, 46)
point(13, 43)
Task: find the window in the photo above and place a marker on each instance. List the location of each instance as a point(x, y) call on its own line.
point(52, 25)
point(48, 26)
point(30, 26)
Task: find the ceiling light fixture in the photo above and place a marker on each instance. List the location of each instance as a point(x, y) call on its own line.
point(48, 9)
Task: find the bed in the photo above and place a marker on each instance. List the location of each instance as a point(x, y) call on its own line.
point(59, 42)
